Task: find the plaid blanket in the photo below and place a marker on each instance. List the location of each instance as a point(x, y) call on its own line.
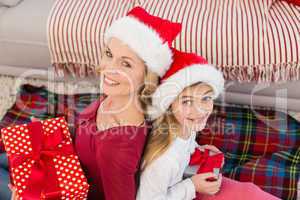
point(43, 104)
point(261, 146)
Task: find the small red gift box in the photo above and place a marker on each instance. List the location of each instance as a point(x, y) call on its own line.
point(203, 162)
point(42, 161)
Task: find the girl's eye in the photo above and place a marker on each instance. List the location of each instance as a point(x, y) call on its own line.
point(207, 98)
point(108, 54)
point(187, 102)
point(126, 64)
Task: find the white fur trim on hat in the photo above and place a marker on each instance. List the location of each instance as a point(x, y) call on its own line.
point(145, 41)
point(168, 91)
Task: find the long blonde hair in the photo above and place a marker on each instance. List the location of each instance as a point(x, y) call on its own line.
point(151, 81)
point(164, 130)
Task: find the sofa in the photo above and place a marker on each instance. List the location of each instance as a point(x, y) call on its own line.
point(24, 51)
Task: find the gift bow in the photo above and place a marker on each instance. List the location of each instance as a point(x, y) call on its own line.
point(43, 177)
point(207, 163)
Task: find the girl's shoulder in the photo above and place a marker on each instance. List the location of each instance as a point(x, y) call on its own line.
point(166, 162)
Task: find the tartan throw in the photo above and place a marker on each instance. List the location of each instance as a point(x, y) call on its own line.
point(261, 146)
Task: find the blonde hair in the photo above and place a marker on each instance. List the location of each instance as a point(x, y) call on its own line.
point(164, 130)
point(150, 84)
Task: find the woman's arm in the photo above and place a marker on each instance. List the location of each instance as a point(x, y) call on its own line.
point(118, 158)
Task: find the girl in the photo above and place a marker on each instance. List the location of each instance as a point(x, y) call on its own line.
point(111, 131)
point(181, 106)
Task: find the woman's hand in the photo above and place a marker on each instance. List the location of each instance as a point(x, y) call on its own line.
point(207, 187)
point(14, 195)
point(33, 119)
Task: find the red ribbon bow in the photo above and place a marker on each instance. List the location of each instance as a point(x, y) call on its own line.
point(43, 180)
point(207, 163)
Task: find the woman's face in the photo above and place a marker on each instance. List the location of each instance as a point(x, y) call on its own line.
point(193, 106)
point(122, 71)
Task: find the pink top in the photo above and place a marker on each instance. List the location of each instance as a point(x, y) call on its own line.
point(110, 158)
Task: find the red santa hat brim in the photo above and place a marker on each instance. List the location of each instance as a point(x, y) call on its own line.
point(144, 41)
point(168, 91)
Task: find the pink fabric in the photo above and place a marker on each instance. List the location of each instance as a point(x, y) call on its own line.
point(232, 189)
point(110, 158)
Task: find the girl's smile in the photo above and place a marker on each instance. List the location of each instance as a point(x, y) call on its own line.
point(193, 107)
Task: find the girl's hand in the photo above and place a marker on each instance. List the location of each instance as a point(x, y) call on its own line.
point(206, 187)
point(213, 150)
point(14, 195)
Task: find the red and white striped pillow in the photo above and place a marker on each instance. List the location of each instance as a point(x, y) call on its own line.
point(75, 33)
point(255, 40)
point(248, 40)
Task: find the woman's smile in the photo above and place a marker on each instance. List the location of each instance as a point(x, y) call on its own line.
point(109, 81)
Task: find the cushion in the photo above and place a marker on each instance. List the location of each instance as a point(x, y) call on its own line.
point(23, 40)
point(10, 3)
point(247, 40)
point(75, 31)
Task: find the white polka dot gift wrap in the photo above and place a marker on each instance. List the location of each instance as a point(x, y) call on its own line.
point(71, 181)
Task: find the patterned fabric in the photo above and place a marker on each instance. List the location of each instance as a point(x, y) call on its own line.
point(43, 104)
point(260, 146)
point(255, 40)
point(75, 33)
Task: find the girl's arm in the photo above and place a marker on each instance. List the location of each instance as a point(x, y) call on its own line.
point(157, 178)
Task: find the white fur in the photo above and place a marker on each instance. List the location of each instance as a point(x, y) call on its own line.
point(144, 41)
point(168, 91)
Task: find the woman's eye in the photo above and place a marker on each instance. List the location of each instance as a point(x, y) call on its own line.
point(187, 102)
point(108, 54)
point(126, 64)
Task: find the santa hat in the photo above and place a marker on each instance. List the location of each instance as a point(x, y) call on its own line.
point(186, 70)
point(149, 36)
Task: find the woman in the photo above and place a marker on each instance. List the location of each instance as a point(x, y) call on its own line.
point(181, 107)
point(112, 131)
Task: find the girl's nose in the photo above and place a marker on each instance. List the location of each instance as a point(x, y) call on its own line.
point(202, 109)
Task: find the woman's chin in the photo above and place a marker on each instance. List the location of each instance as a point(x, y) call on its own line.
point(113, 91)
point(110, 90)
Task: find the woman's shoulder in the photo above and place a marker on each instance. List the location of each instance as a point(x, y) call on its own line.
point(91, 109)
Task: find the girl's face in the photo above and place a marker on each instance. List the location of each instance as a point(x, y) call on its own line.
point(193, 106)
point(122, 71)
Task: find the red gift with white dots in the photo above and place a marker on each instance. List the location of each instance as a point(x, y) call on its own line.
point(43, 164)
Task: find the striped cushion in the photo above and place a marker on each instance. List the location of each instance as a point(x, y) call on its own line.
point(248, 40)
point(75, 33)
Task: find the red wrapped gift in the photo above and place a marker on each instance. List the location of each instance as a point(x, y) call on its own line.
point(203, 162)
point(42, 161)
